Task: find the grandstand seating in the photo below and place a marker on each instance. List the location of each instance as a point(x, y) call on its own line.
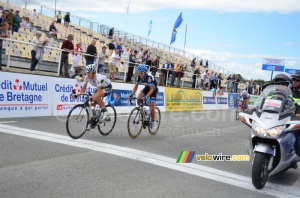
point(83, 34)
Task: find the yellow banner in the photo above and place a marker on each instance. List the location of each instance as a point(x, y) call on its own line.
point(183, 99)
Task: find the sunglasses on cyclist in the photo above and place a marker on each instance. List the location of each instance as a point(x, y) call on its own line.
point(296, 80)
point(140, 73)
point(90, 74)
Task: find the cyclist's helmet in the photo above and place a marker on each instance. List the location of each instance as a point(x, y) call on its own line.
point(283, 79)
point(141, 68)
point(244, 93)
point(296, 76)
point(91, 68)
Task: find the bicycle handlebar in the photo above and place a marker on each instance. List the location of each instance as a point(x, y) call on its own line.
point(135, 98)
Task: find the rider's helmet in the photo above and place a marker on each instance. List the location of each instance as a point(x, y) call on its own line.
point(91, 69)
point(283, 79)
point(244, 93)
point(296, 76)
point(141, 68)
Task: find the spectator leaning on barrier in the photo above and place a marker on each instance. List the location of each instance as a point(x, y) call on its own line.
point(37, 51)
point(126, 55)
point(111, 33)
point(155, 66)
point(101, 58)
point(111, 47)
point(92, 51)
point(4, 33)
point(76, 58)
point(67, 46)
point(132, 64)
point(195, 76)
point(34, 13)
point(77, 74)
point(113, 64)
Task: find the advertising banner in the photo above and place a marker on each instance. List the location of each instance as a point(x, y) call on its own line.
point(252, 100)
point(24, 95)
point(183, 99)
point(232, 97)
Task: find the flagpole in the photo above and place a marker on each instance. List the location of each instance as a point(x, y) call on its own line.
point(185, 36)
point(127, 10)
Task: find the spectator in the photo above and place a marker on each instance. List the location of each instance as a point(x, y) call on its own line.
point(180, 74)
point(132, 64)
point(68, 47)
point(91, 50)
point(4, 33)
point(67, 19)
point(165, 73)
point(219, 80)
point(213, 78)
point(3, 17)
point(155, 66)
point(206, 64)
point(204, 80)
point(174, 74)
point(111, 33)
point(213, 90)
point(37, 50)
point(58, 17)
point(119, 47)
point(195, 76)
point(52, 30)
point(34, 13)
point(28, 24)
point(126, 55)
point(77, 74)
point(16, 22)
point(10, 18)
point(113, 64)
point(101, 58)
point(193, 63)
point(201, 62)
point(76, 58)
point(149, 63)
point(23, 23)
point(111, 47)
point(220, 91)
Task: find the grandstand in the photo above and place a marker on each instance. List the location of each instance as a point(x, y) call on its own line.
point(17, 50)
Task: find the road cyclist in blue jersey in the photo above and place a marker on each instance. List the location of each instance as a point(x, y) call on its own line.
point(149, 92)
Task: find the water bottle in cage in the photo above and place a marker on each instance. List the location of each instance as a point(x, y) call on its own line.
point(146, 113)
point(98, 111)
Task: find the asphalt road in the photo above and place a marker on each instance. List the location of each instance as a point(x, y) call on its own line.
point(38, 159)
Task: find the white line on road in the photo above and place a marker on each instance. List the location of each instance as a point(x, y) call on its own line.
point(159, 160)
point(201, 111)
point(6, 122)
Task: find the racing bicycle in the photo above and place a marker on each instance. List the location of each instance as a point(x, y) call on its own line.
point(82, 118)
point(139, 119)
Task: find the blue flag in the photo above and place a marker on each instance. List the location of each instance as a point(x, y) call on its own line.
point(176, 25)
point(150, 26)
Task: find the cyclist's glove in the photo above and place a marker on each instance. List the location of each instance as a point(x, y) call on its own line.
point(147, 100)
point(130, 96)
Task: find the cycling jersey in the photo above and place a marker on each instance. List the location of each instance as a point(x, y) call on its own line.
point(147, 80)
point(99, 80)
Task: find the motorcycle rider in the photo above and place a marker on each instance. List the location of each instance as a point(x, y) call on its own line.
point(283, 79)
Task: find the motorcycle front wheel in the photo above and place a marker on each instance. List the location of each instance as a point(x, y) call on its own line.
point(260, 170)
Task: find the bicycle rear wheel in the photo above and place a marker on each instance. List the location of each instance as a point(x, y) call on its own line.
point(157, 119)
point(106, 126)
point(135, 122)
point(77, 121)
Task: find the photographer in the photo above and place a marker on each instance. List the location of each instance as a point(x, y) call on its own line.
point(37, 51)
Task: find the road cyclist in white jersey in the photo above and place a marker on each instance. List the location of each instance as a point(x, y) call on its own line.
point(102, 83)
point(149, 92)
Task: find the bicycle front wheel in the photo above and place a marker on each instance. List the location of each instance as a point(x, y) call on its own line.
point(77, 121)
point(152, 131)
point(106, 126)
point(237, 113)
point(135, 122)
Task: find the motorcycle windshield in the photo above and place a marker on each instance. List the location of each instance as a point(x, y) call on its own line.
point(276, 99)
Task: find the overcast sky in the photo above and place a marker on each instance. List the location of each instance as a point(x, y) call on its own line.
point(233, 34)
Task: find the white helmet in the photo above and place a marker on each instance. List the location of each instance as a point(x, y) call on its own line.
point(91, 68)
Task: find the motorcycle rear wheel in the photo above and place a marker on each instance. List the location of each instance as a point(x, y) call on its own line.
point(260, 170)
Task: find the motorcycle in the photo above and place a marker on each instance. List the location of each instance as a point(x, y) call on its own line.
point(273, 133)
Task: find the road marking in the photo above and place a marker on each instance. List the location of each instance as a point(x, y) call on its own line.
point(159, 160)
point(201, 111)
point(6, 122)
